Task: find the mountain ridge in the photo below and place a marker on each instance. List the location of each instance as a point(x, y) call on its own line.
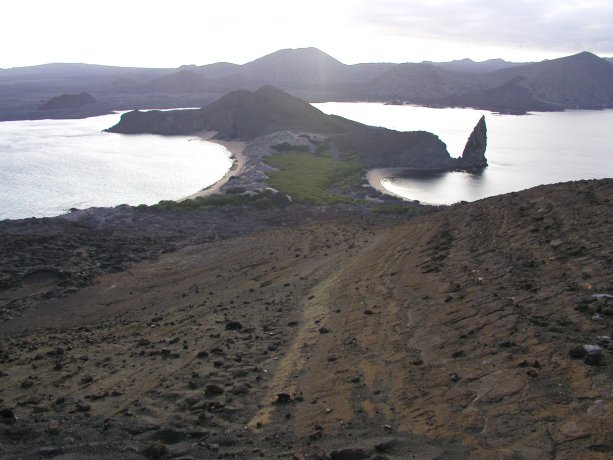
point(583, 80)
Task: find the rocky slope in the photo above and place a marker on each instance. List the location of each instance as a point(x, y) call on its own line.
point(183, 81)
point(580, 81)
point(480, 331)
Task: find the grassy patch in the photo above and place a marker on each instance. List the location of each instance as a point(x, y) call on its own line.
point(308, 178)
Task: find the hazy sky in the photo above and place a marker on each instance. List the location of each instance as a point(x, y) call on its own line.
point(152, 33)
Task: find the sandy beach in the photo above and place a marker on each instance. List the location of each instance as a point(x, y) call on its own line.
point(236, 149)
point(375, 176)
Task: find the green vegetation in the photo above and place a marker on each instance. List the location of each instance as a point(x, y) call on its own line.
point(396, 209)
point(285, 147)
point(261, 200)
point(309, 178)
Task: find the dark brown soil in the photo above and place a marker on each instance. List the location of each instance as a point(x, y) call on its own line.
point(459, 334)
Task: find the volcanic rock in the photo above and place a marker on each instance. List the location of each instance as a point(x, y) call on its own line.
point(473, 157)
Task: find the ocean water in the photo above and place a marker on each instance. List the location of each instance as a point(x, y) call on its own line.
point(48, 167)
point(523, 151)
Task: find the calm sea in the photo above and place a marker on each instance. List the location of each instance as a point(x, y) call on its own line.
point(50, 166)
point(523, 151)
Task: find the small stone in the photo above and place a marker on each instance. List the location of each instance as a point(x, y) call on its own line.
point(153, 450)
point(311, 453)
point(50, 451)
point(53, 427)
point(213, 389)
point(283, 398)
point(389, 446)
point(7, 416)
point(594, 359)
point(170, 435)
point(577, 352)
point(571, 431)
point(324, 330)
point(83, 407)
point(240, 390)
point(27, 383)
point(350, 454)
point(233, 326)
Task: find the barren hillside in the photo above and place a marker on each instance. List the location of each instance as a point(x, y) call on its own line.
point(458, 334)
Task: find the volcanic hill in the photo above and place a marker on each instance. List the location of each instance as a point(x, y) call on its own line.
point(69, 101)
point(246, 115)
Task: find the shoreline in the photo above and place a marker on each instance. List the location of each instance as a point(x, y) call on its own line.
point(236, 149)
point(376, 176)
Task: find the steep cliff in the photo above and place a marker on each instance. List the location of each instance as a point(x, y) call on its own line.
point(473, 157)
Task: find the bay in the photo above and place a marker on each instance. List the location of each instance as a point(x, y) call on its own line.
point(48, 167)
point(523, 151)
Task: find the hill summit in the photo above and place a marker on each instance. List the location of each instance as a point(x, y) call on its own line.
point(69, 101)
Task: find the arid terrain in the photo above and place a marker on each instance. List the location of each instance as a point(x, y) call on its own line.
point(477, 331)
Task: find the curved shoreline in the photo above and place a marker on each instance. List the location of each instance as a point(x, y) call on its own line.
point(376, 176)
point(236, 149)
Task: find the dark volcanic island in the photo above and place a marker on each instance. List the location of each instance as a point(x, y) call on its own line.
point(300, 314)
point(246, 115)
point(69, 101)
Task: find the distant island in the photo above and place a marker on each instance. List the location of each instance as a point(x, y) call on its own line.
point(69, 101)
point(581, 81)
point(244, 115)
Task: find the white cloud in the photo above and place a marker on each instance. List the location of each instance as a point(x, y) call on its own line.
point(156, 33)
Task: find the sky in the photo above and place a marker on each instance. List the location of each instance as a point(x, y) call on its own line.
point(153, 33)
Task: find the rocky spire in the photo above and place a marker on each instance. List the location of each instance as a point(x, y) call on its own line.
point(473, 157)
